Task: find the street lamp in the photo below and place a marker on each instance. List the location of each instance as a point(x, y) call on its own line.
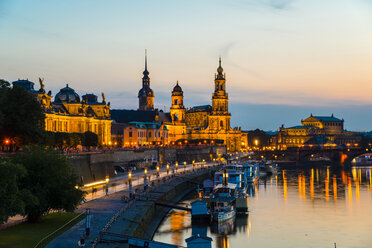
point(176, 166)
point(184, 166)
point(167, 169)
point(256, 142)
point(145, 180)
point(107, 184)
point(130, 184)
point(157, 171)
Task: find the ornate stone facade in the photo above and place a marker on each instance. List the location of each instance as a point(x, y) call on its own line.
point(68, 114)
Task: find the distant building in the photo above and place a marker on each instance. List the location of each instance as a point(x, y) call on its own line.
point(138, 134)
point(70, 114)
point(315, 131)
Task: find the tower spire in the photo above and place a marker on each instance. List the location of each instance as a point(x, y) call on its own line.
point(145, 59)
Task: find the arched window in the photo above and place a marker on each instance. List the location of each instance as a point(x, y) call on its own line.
point(221, 124)
point(176, 102)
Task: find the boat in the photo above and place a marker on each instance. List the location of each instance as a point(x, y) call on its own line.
point(222, 200)
point(251, 172)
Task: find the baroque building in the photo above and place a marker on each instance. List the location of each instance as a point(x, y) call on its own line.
point(213, 122)
point(67, 113)
point(315, 131)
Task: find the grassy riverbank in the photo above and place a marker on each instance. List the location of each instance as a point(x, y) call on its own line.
point(26, 234)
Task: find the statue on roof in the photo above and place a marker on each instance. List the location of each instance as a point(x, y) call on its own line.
point(42, 85)
point(103, 98)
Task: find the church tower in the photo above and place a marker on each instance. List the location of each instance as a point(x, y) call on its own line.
point(220, 117)
point(146, 94)
point(177, 109)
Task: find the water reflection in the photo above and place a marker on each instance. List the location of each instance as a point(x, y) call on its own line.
point(327, 204)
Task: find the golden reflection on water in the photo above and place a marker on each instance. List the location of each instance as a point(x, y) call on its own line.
point(223, 241)
point(326, 181)
point(284, 185)
point(177, 224)
point(312, 184)
point(334, 188)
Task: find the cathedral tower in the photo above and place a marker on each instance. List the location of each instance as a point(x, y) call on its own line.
point(177, 109)
point(220, 118)
point(146, 94)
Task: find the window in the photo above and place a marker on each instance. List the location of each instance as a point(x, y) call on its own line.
point(149, 134)
point(176, 102)
point(221, 124)
point(130, 134)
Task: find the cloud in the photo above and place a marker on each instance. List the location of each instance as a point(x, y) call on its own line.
point(280, 4)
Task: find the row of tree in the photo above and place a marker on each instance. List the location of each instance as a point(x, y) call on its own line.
point(35, 181)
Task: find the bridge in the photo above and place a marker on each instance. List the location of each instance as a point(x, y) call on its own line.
point(334, 155)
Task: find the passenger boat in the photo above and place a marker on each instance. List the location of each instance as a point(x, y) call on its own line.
point(222, 200)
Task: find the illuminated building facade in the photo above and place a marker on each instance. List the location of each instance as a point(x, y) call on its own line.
point(315, 131)
point(138, 134)
point(70, 114)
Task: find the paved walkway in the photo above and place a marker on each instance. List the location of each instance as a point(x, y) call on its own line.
point(102, 210)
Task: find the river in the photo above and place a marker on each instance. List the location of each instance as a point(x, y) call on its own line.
point(313, 207)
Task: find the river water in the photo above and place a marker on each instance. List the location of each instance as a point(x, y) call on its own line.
point(312, 207)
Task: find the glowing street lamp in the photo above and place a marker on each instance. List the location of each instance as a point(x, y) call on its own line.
point(157, 171)
point(176, 166)
point(167, 169)
point(145, 180)
point(130, 184)
point(6, 141)
point(256, 142)
point(107, 184)
point(184, 166)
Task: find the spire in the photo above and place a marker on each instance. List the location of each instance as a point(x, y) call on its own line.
point(219, 69)
point(145, 72)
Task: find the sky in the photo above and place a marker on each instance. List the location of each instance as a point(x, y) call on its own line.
point(283, 59)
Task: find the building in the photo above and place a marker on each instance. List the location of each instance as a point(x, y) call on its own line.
point(208, 123)
point(138, 134)
point(146, 94)
point(315, 131)
point(67, 113)
point(212, 123)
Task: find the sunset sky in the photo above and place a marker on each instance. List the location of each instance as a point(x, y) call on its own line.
point(283, 59)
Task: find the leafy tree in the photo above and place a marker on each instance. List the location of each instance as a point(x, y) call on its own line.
point(11, 197)
point(90, 139)
point(49, 179)
point(24, 122)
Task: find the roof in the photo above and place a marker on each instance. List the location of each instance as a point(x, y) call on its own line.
point(126, 116)
point(299, 127)
point(145, 125)
point(327, 118)
point(229, 185)
point(201, 108)
point(194, 237)
point(25, 83)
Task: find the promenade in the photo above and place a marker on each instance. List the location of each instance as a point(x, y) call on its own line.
point(103, 207)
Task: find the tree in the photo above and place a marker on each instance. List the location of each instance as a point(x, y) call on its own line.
point(11, 197)
point(49, 179)
point(21, 117)
point(90, 139)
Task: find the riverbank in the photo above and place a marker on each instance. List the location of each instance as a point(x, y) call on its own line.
point(143, 217)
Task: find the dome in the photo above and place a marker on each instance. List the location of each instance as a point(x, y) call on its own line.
point(177, 88)
point(220, 69)
point(146, 91)
point(67, 94)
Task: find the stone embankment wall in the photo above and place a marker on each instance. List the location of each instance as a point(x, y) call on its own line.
point(95, 166)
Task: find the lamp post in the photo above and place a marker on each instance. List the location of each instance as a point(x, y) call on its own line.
point(193, 165)
point(184, 166)
point(176, 166)
point(145, 180)
point(157, 171)
point(130, 184)
point(107, 184)
point(167, 169)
